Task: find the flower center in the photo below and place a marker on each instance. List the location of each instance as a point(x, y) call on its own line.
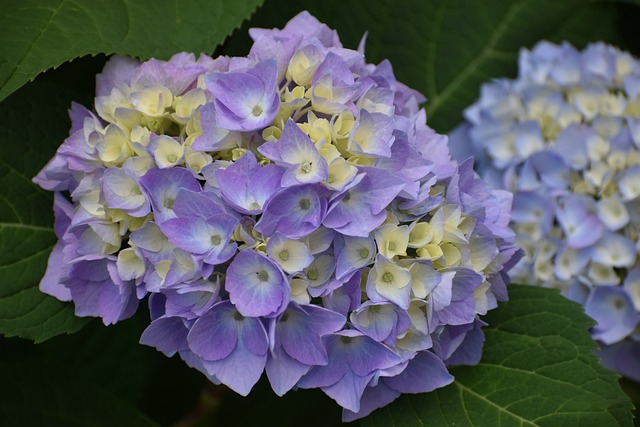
point(387, 277)
point(172, 158)
point(306, 167)
point(305, 204)
point(345, 340)
point(312, 274)
point(618, 303)
point(216, 239)
point(168, 202)
point(263, 276)
point(284, 255)
point(257, 111)
point(363, 252)
point(373, 309)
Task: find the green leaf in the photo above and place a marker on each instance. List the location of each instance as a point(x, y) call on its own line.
point(33, 123)
point(33, 394)
point(446, 49)
point(111, 359)
point(537, 369)
point(40, 34)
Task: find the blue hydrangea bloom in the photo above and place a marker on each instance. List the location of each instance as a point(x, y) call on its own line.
point(565, 138)
point(287, 213)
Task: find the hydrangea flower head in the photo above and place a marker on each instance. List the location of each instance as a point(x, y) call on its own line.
point(564, 137)
point(287, 212)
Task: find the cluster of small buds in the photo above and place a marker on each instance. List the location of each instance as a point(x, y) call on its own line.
point(287, 212)
point(565, 138)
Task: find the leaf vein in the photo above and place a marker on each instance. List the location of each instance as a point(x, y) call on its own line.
point(12, 208)
point(413, 408)
point(536, 372)
point(439, 98)
point(491, 403)
point(432, 45)
point(21, 175)
point(33, 255)
point(25, 226)
point(54, 12)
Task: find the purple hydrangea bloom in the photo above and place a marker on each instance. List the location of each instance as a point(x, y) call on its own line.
point(563, 137)
point(287, 213)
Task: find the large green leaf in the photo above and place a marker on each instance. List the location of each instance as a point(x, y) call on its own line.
point(537, 369)
point(32, 123)
point(39, 34)
point(446, 49)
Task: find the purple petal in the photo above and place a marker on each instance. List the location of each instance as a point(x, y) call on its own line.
point(338, 366)
point(253, 335)
point(121, 191)
point(246, 185)
point(366, 355)
point(458, 312)
point(372, 134)
point(117, 73)
point(622, 357)
point(256, 285)
point(295, 150)
point(161, 187)
point(177, 74)
point(465, 282)
point(613, 309)
point(552, 169)
point(166, 334)
point(378, 320)
point(293, 212)
point(581, 227)
point(246, 101)
point(213, 137)
point(348, 391)
point(214, 335)
point(362, 208)
point(201, 204)
point(50, 283)
point(239, 371)
point(300, 330)
point(424, 373)
point(284, 371)
point(469, 350)
point(117, 299)
point(372, 399)
point(190, 234)
point(335, 67)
